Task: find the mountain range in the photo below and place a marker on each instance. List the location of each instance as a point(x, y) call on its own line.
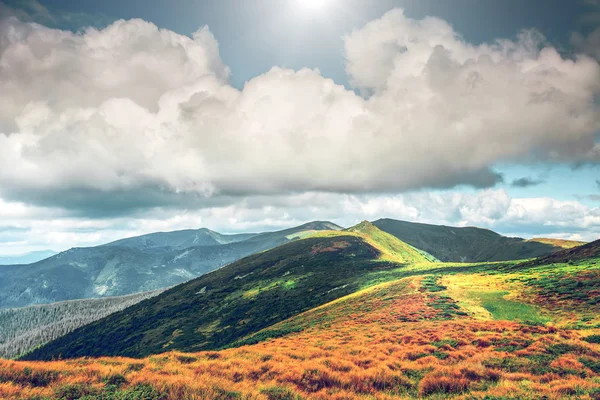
point(353, 313)
point(133, 265)
point(159, 260)
point(467, 244)
point(220, 308)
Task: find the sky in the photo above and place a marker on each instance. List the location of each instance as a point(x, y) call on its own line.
point(120, 118)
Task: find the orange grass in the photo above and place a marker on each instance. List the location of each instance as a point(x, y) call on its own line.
point(386, 342)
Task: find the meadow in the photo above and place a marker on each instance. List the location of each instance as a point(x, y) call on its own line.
point(422, 336)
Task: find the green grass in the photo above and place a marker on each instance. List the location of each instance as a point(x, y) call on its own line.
point(503, 309)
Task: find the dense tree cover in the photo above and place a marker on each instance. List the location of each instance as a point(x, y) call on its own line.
point(22, 329)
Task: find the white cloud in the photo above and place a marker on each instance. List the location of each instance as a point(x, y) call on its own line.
point(132, 110)
point(139, 126)
point(32, 228)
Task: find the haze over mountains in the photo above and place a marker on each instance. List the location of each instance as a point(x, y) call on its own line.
point(26, 258)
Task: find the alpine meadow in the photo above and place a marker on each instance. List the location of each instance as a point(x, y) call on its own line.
point(299, 200)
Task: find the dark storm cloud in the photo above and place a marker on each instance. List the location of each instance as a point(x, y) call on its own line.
point(526, 182)
point(90, 203)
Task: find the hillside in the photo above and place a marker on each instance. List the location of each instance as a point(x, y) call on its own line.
point(132, 265)
point(453, 244)
point(22, 329)
point(391, 248)
point(221, 307)
point(562, 243)
point(465, 333)
point(587, 251)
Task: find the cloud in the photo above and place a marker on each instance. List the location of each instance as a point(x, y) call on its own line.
point(598, 183)
point(109, 121)
point(24, 228)
point(26, 10)
point(588, 44)
point(526, 182)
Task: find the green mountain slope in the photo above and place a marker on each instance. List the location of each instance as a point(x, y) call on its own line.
point(392, 248)
point(588, 251)
point(133, 265)
point(452, 244)
point(223, 306)
point(562, 243)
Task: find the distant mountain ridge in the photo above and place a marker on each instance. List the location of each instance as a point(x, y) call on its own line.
point(587, 251)
point(464, 244)
point(179, 240)
point(26, 258)
point(562, 243)
point(133, 265)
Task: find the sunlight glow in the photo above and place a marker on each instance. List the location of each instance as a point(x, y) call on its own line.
point(312, 4)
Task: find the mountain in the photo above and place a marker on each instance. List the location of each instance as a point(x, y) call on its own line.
point(26, 258)
point(452, 244)
point(562, 243)
point(163, 242)
point(133, 265)
point(355, 314)
point(223, 306)
point(22, 329)
point(390, 247)
point(589, 251)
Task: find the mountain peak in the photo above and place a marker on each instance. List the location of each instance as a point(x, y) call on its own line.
point(321, 225)
point(363, 227)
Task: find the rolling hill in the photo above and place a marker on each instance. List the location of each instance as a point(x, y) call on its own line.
point(562, 243)
point(133, 265)
point(588, 251)
point(453, 244)
point(509, 330)
point(223, 306)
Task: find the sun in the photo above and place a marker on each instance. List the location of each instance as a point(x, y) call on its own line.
point(312, 4)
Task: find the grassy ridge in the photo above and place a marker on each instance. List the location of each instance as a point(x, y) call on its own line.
point(562, 243)
point(464, 244)
point(219, 308)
